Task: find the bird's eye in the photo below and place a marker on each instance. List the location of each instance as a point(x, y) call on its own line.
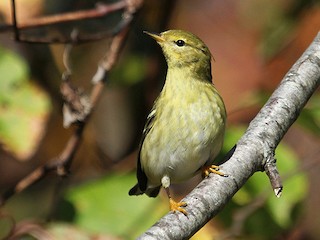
point(180, 43)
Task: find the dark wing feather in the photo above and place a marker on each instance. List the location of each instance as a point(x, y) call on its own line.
point(141, 187)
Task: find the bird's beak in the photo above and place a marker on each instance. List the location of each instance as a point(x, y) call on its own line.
point(155, 36)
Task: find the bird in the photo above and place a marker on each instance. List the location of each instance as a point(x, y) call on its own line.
point(184, 130)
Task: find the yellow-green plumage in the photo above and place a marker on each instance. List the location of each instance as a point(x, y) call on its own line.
point(185, 128)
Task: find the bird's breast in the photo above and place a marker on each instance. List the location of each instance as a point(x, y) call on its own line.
point(187, 132)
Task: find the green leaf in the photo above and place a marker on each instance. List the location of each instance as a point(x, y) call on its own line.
point(104, 206)
point(13, 70)
point(295, 187)
point(310, 115)
point(24, 107)
point(232, 135)
point(280, 210)
point(130, 71)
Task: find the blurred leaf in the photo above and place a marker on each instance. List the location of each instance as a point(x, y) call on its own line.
point(13, 70)
point(295, 187)
point(63, 231)
point(23, 107)
point(130, 71)
point(276, 25)
point(232, 135)
point(6, 225)
point(104, 206)
point(275, 35)
point(310, 115)
point(276, 213)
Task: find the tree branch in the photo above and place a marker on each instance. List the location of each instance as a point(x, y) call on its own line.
point(100, 10)
point(61, 164)
point(253, 152)
point(128, 7)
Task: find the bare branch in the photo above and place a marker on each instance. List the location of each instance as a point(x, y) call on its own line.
point(252, 152)
point(61, 164)
point(129, 8)
point(240, 216)
point(100, 11)
point(76, 107)
point(274, 177)
point(31, 228)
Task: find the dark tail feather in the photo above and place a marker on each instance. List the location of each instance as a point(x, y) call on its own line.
point(135, 190)
point(151, 192)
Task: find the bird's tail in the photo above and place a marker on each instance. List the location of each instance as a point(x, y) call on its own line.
point(151, 192)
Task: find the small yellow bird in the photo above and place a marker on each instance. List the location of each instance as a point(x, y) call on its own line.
point(185, 129)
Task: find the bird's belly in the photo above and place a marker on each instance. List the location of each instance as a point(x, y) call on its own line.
point(191, 137)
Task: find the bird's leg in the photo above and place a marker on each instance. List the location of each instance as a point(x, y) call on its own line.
point(176, 206)
point(206, 170)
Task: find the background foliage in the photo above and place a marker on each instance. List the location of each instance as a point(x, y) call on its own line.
point(252, 50)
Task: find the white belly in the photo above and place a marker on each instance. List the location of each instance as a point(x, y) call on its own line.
point(182, 140)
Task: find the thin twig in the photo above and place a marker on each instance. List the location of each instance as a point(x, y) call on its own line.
point(101, 10)
point(14, 20)
point(62, 163)
point(240, 216)
point(30, 228)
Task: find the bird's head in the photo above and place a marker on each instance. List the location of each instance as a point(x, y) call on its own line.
point(182, 48)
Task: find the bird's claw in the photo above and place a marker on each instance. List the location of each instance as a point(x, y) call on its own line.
point(178, 206)
point(212, 169)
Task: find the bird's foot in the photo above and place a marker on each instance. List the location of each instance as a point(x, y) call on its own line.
point(178, 206)
point(206, 170)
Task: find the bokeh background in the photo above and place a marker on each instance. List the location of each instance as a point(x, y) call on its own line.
point(254, 43)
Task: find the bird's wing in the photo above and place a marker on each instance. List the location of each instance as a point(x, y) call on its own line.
point(142, 178)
